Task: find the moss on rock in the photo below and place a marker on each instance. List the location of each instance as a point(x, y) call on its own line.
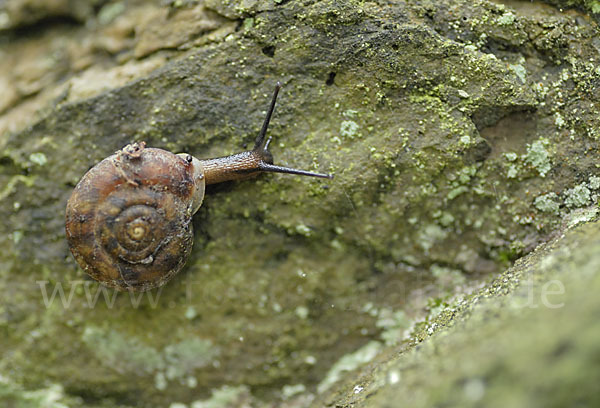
point(442, 121)
point(527, 338)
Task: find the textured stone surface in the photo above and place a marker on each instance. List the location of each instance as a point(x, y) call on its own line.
point(526, 339)
point(461, 133)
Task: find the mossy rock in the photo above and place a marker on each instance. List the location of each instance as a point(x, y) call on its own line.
point(461, 134)
point(526, 339)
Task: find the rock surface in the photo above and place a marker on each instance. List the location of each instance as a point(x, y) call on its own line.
point(462, 134)
point(527, 339)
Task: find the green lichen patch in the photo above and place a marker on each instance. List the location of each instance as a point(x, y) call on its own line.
point(348, 363)
point(578, 196)
point(547, 203)
point(539, 157)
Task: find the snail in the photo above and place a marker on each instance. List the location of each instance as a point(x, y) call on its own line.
point(128, 220)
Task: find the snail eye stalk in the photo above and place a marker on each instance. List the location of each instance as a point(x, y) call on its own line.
point(261, 147)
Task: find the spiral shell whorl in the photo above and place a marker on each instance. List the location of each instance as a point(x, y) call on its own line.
point(129, 218)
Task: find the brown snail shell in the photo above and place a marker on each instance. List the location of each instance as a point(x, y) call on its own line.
point(128, 221)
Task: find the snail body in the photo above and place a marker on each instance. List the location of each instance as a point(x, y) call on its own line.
point(129, 219)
